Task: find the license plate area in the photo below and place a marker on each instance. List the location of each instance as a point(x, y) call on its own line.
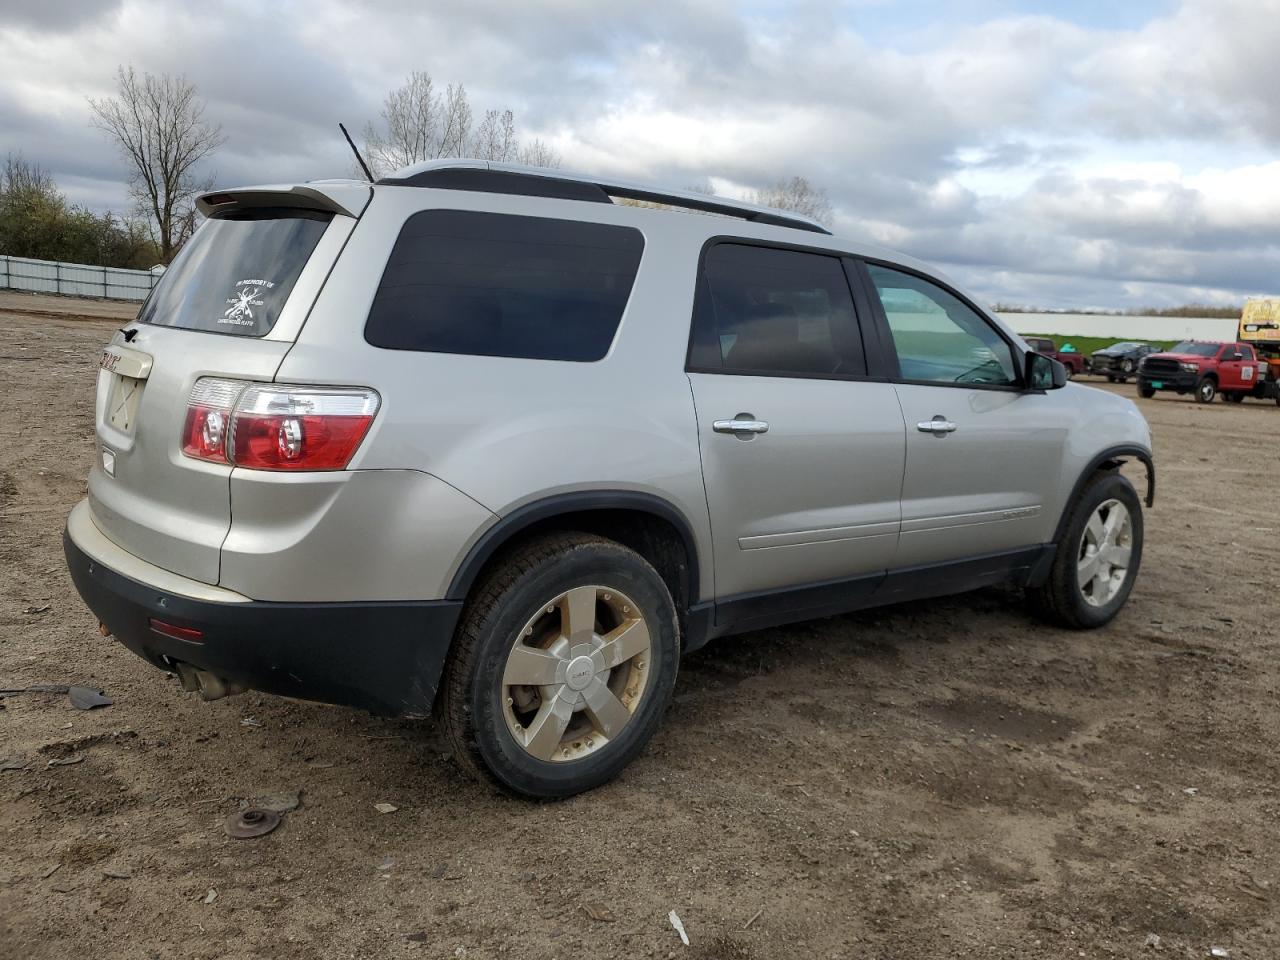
point(124, 395)
point(1157, 384)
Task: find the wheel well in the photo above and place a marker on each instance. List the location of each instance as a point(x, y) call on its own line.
point(1107, 462)
point(660, 541)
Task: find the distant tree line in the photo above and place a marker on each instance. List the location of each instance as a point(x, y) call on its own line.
point(36, 221)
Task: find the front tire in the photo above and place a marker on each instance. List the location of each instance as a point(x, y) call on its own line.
point(562, 667)
point(1206, 390)
point(1146, 392)
point(1098, 557)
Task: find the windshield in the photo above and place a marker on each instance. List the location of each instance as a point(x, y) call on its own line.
point(236, 273)
point(1196, 349)
point(1125, 346)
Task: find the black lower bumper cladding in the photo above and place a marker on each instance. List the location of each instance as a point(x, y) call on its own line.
point(385, 657)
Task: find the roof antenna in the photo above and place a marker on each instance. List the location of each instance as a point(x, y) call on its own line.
point(363, 166)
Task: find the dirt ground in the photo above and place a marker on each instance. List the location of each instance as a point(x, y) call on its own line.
point(941, 779)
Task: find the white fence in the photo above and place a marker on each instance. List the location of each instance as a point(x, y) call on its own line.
point(75, 279)
point(1131, 328)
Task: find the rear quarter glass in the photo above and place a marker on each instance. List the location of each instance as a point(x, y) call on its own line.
point(234, 276)
point(503, 285)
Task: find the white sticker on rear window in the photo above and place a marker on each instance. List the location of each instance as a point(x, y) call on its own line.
point(246, 298)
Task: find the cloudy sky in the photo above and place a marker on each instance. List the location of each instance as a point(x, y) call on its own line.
point(1062, 154)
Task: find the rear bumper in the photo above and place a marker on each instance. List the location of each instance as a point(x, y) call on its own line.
point(385, 657)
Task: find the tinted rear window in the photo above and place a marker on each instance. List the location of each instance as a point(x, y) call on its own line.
point(761, 310)
point(236, 273)
point(494, 285)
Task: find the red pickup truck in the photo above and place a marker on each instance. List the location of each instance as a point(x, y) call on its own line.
point(1205, 368)
point(1074, 362)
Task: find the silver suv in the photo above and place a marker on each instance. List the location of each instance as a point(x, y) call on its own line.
point(482, 439)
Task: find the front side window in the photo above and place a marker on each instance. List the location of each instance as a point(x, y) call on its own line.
point(938, 338)
point(497, 285)
point(765, 311)
point(236, 273)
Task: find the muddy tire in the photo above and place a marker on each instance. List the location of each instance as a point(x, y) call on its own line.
point(1097, 559)
point(561, 668)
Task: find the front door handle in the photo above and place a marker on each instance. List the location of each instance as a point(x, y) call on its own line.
point(742, 423)
point(938, 426)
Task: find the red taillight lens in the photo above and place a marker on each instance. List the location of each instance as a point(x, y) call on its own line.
point(279, 426)
point(297, 443)
point(204, 436)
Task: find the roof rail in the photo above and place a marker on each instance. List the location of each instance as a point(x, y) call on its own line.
point(491, 177)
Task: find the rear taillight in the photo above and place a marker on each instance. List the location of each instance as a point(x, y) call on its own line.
point(276, 426)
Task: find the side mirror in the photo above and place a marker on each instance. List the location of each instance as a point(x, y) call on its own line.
point(1043, 373)
point(1237, 355)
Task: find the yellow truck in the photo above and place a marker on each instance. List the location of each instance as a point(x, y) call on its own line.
point(1260, 329)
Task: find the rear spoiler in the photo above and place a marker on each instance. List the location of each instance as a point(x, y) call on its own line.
point(345, 197)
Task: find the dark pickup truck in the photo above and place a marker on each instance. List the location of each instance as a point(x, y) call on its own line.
point(1074, 362)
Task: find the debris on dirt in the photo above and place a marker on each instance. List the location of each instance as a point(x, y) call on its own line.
point(251, 822)
point(599, 912)
point(754, 917)
point(87, 698)
point(32, 610)
point(51, 871)
point(12, 763)
point(250, 722)
point(385, 807)
point(321, 764)
point(65, 761)
point(675, 922)
point(211, 896)
point(1153, 941)
point(115, 874)
point(386, 863)
point(37, 688)
point(283, 802)
point(1219, 952)
point(1191, 791)
point(420, 937)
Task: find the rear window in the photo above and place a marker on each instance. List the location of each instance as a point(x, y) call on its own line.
point(497, 285)
point(236, 273)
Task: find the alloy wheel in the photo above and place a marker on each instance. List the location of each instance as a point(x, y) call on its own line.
point(576, 674)
point(1102, 563)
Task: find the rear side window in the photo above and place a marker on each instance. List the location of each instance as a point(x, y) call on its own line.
point(760, 310)
point(495, 285)
point(236, 273)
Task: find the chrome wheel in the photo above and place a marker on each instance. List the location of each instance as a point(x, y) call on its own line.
point(1102, 564)
point(576, 674)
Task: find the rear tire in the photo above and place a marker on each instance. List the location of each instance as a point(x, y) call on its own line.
point(576, 727)
point(1237, 397)
point(1206, 390)
point(1091, 547)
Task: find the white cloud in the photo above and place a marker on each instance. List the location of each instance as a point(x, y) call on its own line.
point(1038, 159)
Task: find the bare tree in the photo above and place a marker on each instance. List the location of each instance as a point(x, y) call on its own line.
point(798, 195)
point(421, 123)
point(538, 154)
point(158, 123)
point(495, 137)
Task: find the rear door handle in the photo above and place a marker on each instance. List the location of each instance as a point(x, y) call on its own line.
point(937, 426)
point(740, 424)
